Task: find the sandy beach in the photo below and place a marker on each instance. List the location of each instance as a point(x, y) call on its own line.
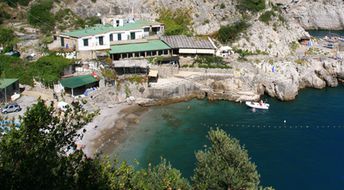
point(109, 128)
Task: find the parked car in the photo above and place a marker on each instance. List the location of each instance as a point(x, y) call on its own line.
point(330, 46)
point(9, 108)
point(13, 53)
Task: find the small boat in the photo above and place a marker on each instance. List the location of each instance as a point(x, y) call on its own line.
point(258, 105)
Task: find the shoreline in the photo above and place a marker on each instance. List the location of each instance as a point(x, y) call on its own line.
point(114, 124)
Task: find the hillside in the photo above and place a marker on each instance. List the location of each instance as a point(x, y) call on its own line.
point(272, 26)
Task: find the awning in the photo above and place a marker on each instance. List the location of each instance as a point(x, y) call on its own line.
point(4, 83)
point(78, 81)
point(153, 73)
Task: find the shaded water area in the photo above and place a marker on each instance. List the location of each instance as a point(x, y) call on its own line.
point(296, 145)
point(323, 33)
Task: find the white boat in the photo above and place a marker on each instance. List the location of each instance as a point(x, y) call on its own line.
point(258, 105)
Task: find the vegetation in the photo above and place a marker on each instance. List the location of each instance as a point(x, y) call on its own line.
point(7, 38)
point(294, 45)
point(176, 22)
point(252, 5)
point(137, 79)
point(210, 62)
point(267, 16)
point(230, 33)
point(225, 156)
point(3, 14)
point(40, 16)
point(35, 156)
point(15, 3)
point(47, 69)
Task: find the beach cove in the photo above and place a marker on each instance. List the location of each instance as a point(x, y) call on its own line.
point(293, 144)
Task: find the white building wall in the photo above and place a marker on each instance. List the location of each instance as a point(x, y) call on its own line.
point(93, 43)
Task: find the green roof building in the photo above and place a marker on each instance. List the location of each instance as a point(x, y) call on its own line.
point(7, 88)
point(77, 85)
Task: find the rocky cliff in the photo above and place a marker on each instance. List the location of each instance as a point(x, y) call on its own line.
point(320, 14)
point(248, 81)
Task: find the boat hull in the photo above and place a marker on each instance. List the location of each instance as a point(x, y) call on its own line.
point(257, 105)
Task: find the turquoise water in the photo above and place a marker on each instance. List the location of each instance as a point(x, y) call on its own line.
point(304, 152)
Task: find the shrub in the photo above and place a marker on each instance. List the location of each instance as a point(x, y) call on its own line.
point(267, 16)
point(7, 38)
point(14, 3)
point(40, 16)
point(3, 15)
point(230, 33)
point(252, 5)
point(210, 62)
point(47, 69)
point(176, 22)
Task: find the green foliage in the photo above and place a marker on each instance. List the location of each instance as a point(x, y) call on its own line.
point(15, 3)
point(176, 22)
point(14, 67)
point(224, 165)
point(252, 5)
point(34, 155)
point(7, 38)
point(267, 16)
point(3, 14)
point(222, 6)
point(40, 16)
point(210, 62)
point(301, 61)
point(230, 33)
point(243, 52)
point(137, 79)
point(47, 69)
point(162, 176)
point(294, 45)
point(109, 74)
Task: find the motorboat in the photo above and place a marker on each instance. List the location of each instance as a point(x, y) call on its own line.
point(258, 105)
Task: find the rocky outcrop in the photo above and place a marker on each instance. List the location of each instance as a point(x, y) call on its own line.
point(248, 81)
point(272, 40)
point(320, 14)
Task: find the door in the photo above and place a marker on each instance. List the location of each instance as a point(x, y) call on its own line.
point(132, 35)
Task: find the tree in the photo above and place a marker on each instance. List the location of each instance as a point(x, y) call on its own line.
point(162, 176)
point(40, 16)
point(35, 155)
point(7, 38)
point(224, 165)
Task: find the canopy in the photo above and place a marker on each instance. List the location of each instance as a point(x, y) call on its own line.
point(78, 81)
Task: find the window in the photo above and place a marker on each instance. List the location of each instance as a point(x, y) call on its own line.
point(62, 42)
point(85, 42)
point(101, 40)
point(146, 29)
point(111, 37)
point(119, 37)
point(132, 36)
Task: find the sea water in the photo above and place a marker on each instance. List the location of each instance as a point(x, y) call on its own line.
point(295, 145)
